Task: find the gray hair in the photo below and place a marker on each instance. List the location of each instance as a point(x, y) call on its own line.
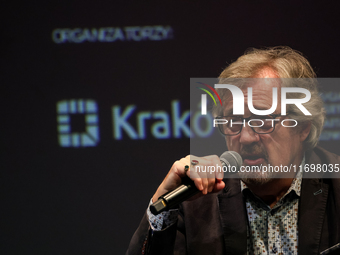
point(286, 63)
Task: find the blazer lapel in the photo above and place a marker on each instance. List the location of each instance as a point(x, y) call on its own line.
point(311, 215)
point(234, 218)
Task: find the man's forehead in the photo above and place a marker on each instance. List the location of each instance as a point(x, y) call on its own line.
point(262, 95)
point(266, 72)
point(228, 111)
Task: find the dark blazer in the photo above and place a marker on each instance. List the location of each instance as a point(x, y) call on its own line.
point(217, 223)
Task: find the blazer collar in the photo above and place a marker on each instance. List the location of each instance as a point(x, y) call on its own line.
point(312, 208)
point(233, 217)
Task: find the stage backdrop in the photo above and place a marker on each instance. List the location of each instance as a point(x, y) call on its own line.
point(96, 104)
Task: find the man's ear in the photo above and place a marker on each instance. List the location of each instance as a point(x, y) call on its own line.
point(305, 131)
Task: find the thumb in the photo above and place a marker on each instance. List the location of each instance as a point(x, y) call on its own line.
point(219, 185)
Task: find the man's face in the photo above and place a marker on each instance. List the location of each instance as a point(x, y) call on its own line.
point(282, 147)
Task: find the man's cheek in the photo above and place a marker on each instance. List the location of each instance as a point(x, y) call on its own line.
point(233, 144)
point(274, 160)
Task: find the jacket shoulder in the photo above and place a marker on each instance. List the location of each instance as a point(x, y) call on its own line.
point(320, 155)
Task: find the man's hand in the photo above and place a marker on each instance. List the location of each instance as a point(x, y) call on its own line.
point(206, 182)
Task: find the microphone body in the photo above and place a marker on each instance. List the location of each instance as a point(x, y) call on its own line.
point(188, 189)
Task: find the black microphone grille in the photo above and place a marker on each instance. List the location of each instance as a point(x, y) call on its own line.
point(231, 158)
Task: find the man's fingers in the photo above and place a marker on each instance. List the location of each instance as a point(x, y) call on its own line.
point(198, 183)
point(203, 171)
point(211, 184)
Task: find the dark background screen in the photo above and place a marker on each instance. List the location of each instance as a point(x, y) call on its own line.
point(84, 84)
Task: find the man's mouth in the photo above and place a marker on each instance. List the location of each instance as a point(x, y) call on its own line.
point(253, 159)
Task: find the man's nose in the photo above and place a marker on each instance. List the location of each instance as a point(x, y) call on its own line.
point(248, 135)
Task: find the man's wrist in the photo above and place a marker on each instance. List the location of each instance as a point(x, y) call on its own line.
point(163, 220)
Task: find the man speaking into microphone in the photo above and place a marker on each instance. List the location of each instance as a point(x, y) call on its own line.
point(271, 208)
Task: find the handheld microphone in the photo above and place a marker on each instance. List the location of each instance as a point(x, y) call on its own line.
point(188, 189)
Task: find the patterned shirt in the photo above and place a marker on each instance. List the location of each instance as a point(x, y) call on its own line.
point(273, 230)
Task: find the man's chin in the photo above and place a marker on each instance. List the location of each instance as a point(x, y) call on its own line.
point(260, 178)
point(256, 181)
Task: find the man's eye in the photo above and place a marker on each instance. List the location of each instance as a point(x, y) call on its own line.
point(235, 119)
point(267, 124)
